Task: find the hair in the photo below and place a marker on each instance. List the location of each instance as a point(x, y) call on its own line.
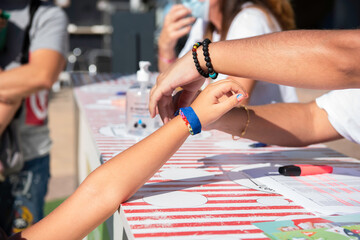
point(281, 9)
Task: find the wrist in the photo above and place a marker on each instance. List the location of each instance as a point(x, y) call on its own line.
point(201, 58)
point(167, 55)
point(205, 61)
point(166, 47)
point(233, 122)
point(181, 125)
point(243, 118)
point(190, 119)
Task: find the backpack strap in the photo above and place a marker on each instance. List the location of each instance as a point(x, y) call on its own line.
point(34, 5)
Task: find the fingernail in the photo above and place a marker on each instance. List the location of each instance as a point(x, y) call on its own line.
point(239, 97)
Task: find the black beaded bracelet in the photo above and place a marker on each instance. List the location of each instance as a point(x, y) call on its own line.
point(207, 59)
point(196, 61)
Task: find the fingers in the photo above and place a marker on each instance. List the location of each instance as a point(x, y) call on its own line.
point(155, 96)
point(183, 22)
point(231, 102)
point(161, 102)
point(177, 12)
point(177, 23)
point(180, 33)
point(225, 87)
point(179, 28)
point(166, 109)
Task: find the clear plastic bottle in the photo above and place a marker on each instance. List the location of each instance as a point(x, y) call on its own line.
point(138, 120)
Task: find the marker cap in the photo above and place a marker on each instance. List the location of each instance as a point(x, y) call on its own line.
point(304, 170)
point(290, 170)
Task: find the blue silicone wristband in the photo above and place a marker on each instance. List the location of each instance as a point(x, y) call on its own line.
point(192, 119)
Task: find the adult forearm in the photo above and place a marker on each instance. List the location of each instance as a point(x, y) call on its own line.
point(7, 112)
point(281, 124)
point(23, 81)
point(308, 59)
point(42, 71)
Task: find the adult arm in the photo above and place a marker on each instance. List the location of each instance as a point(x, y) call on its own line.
point(7, 112)
point(48, 48)
point(177, 24)
point(40, 73)
point(284, 124)
point(305, 58)
point(102, 192)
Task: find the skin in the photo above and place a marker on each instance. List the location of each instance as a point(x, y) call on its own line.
point(318, 59)
point(43, 70)
point(3, 21)
point(119, 178)
point(283, 124)
point(177, 24)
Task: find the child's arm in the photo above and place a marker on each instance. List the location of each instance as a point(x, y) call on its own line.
point(102, 192)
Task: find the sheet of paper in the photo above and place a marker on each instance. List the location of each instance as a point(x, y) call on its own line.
point(338, 192)
point(339, 227)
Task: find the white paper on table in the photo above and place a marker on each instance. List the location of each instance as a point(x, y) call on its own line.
point(338, 192)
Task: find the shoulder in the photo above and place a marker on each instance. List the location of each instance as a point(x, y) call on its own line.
point(48, 11)
point(252, 21)
point(49, 29)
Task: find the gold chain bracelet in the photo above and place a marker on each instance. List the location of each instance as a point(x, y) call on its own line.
point(243, 132)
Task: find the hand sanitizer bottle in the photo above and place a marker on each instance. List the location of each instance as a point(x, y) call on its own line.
point(138, 120)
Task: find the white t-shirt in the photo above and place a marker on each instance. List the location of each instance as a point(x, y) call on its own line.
point(343, 109)
point(249, 22)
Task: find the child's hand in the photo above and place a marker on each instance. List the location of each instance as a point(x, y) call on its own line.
point(207, 106)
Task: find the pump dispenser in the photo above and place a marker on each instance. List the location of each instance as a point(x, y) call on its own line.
point(143, 74)
point(138, 120)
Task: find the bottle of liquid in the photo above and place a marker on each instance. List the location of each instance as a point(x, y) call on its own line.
point(138, 120)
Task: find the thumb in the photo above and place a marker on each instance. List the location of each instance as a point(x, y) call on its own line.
point(233, 101)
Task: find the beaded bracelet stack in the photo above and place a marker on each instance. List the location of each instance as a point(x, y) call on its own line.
point(211, 73)
point(191, 119)
point(196, 61)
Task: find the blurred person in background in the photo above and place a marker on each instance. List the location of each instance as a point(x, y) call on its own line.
point(227, 20)
point(33, 55)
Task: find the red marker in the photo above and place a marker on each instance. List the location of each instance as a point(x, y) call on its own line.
point(304, 169)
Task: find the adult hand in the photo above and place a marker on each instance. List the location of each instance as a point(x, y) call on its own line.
point(208, 106)
point(181, 74)
point(177, 24)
